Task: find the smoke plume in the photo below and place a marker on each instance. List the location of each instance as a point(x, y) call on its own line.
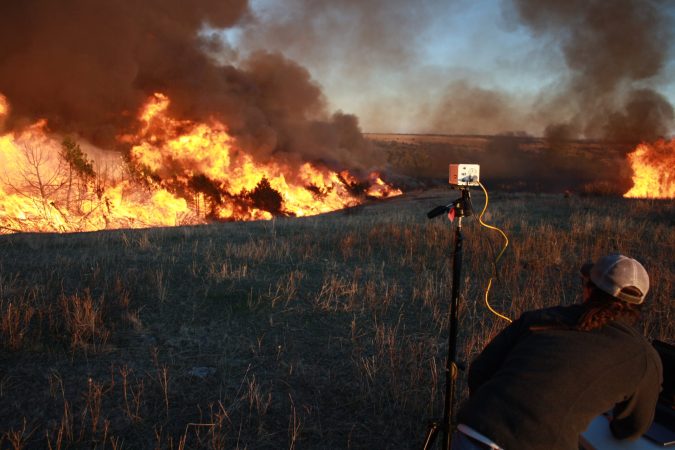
point(87, 67)
point(614, 51)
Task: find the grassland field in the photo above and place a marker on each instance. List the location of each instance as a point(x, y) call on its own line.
point(511, 162)
point(326, 332)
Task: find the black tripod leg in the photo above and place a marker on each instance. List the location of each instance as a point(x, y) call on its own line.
point(451, 365)
point(462, 207)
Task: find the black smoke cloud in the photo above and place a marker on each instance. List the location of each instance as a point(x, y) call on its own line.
point(614, 51)
point(87, 67)
point(465, 108)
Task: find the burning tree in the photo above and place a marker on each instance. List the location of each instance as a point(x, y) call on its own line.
point(54, 190)
point(80, 169)
point(34, 181)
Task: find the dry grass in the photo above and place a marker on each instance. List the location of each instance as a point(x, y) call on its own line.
point(327, 332)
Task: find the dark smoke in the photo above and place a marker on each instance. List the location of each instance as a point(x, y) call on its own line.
point(468, 109)
point(614, 51)
point(362, 35)
point(87, 67)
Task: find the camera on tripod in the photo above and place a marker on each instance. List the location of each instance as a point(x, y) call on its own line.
point(464, 175)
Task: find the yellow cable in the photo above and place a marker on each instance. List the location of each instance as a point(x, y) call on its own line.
point(506, 244)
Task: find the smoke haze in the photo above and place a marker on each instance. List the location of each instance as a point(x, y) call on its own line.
point(608, 58)
point(613, 50)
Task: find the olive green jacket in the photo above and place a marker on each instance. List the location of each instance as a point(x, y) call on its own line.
point(539, 383)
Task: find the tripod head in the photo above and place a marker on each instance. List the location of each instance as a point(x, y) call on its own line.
point(460, 207)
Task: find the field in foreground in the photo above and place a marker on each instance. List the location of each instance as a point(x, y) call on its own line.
point(325, 332)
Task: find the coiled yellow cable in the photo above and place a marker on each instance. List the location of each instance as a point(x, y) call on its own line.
point(506, 244)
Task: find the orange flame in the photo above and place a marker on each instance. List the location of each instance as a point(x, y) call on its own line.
point(4, 106)
point(380, 189)
point(653, 170)
point(184, 173)
point(179, 151)
point(37, 193)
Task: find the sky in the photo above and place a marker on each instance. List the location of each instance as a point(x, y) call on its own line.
point(457, 66)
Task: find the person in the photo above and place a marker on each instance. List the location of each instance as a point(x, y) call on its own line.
point(541, 381)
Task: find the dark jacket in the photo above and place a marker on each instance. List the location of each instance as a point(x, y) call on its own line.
point(539, 383)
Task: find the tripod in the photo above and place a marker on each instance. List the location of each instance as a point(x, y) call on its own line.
point(459, 208)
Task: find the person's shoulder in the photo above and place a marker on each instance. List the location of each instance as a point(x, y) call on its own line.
point(630, 331)
point(633, 337)
point(653, 356)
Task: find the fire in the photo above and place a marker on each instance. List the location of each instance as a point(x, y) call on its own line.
point(37, 194)
point(653, 170)
point(177, 172)
point(4, 106)
point(380, 189)
point(204, 158)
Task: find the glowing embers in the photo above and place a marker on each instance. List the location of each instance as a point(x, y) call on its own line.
point(653, 170)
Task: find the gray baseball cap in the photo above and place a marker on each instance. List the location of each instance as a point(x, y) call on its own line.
point(619, 276)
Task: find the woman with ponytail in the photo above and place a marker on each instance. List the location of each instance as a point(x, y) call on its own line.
point(542, 380)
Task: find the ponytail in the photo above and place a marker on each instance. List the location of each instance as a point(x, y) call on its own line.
point(601, 308)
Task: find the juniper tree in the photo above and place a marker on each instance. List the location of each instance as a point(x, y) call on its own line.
point(78, 164)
